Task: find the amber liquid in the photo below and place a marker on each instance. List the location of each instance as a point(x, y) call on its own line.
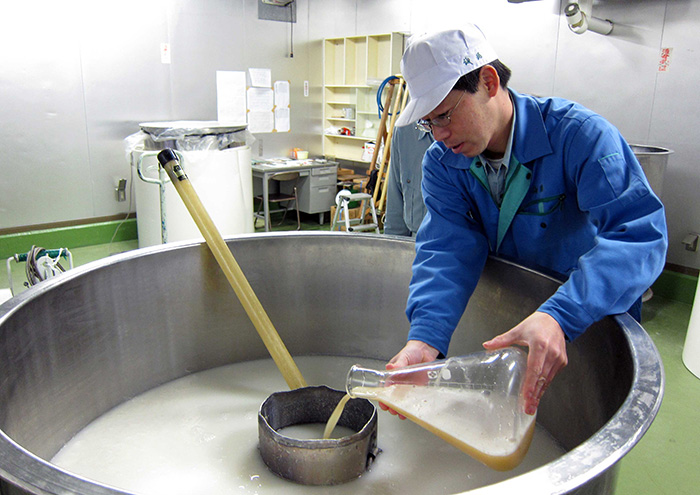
point(335, 416)
point(497, 462)
point(481, 426)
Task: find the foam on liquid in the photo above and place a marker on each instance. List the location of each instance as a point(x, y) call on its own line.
point(199, 434)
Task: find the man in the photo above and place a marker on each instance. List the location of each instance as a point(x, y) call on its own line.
point(542, 180)
point(404, 202)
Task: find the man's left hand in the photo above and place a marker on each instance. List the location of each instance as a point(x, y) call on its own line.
point(546, 357)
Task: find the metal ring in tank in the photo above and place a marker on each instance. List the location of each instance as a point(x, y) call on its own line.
point(316, 461)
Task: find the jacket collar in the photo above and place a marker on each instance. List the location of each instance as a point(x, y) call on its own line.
point(530, 139)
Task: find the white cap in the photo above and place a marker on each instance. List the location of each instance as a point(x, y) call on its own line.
point(433, 63)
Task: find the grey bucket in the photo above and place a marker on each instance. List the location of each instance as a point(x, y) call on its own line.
point(653, 160)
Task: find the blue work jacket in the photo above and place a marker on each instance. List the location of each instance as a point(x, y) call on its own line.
point(576, 202)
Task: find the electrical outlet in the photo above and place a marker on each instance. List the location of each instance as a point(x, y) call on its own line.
point(691, 242)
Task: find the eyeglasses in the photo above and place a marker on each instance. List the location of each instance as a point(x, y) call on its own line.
point(443, 120)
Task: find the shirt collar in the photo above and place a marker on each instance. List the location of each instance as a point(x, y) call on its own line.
point(422, 134)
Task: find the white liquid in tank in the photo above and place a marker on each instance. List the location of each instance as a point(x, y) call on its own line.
point(314, 430)
point(199, 434)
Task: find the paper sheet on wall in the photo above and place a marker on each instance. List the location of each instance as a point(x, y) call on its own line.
point(261, 78)
point(260, 110)
point(231, 97)
point(282, 119)
point(261, 121)
point(281, 94)
point(260, 99)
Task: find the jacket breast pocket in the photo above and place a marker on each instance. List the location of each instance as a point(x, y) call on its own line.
point(543, 206)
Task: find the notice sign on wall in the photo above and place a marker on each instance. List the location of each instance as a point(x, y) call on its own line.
point(665, 59)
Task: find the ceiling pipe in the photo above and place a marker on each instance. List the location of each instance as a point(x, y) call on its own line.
point(580, 22)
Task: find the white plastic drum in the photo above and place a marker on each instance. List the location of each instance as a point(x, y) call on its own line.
point(223, 181)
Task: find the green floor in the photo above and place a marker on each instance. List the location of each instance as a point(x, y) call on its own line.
point(665, 460)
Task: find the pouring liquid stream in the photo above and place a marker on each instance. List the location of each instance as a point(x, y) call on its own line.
point(335, 416)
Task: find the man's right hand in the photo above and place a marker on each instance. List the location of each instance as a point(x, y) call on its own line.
point(414, 352)
point(546, 355)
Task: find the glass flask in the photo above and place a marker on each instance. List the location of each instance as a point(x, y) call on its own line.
point(474, 402)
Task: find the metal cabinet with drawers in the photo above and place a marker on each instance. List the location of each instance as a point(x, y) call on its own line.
point(317, 190)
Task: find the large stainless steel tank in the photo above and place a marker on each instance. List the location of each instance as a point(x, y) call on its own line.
point(76, 346)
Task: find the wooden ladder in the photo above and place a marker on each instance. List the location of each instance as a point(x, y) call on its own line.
point(397, 100)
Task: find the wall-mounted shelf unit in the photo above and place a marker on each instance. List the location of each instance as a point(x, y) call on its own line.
point(353, 69)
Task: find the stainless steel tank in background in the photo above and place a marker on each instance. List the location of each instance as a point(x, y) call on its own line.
point(653, 160)
point(77, 345)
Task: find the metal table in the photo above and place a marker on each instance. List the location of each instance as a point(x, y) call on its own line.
point(317, 190)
